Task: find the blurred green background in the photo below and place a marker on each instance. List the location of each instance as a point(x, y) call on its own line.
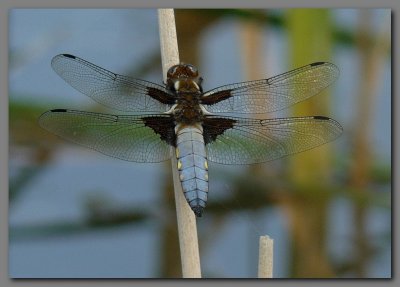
point(84, 215)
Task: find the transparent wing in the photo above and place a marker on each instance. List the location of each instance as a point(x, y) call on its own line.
point(271, 94)
point(247, 141)
point(112, 90)
point(128, 138)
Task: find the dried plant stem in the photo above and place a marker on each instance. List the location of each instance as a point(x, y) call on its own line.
point(187, 229)
point(265, 257)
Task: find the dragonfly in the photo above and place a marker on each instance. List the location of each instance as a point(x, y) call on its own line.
point(198, 125)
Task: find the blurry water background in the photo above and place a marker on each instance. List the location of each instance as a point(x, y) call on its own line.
point(75, 213)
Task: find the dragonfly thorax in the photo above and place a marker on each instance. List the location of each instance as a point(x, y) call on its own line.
point(187, 109)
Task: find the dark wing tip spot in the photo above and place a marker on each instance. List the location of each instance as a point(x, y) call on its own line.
point(332, 121)
point(317, 64)
point(59, 111)
point(69, 56)
point(321, 118)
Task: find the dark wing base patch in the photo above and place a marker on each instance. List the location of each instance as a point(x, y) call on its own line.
point(163, 126)
point(216, 97)
point(213, 127)
point(161, 96)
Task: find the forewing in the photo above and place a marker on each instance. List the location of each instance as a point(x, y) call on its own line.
point(247, 141)
point(271, 94)
point(112, 90)
point(131, 138)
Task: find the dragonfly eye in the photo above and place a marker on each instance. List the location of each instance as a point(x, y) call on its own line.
point(192, 70)
point(172, 71)
point(183, 71)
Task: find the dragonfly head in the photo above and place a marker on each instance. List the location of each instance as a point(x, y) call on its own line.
point(184, 78)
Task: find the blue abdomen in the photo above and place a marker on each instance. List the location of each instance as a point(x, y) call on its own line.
point(192, 166)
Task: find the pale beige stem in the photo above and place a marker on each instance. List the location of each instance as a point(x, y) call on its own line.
point(265, 257)
point(187, 229)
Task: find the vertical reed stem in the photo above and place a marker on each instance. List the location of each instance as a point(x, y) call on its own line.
point(187, 229)
point(265, 257)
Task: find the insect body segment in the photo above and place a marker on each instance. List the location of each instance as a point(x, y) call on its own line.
point(192, 162)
